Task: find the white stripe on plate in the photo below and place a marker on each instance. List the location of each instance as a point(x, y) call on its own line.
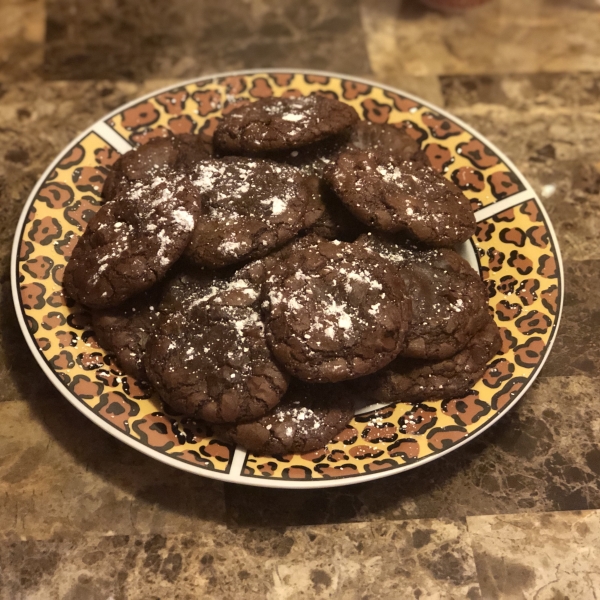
point(237, 462)
point(109, 135)
point(489, 211)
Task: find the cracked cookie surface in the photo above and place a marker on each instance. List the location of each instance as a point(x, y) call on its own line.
point(401, 196)
point(208, 358)
point(335, 311)
point(282, 124)
point(132, 241)
point(250, 206)
point(308, 417)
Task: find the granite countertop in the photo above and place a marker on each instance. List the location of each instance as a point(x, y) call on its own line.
point(514, 514)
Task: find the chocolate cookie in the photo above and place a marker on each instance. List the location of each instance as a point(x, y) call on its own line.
point(335, 311)
point(250, 207)
point(211, 360)
point(388, 139)
point(335, 221)
point(191, 286)
point(402, 197)
point(124, 331)
point(179, 152)
point(413, 380)
point(449, 299)
point(281, 124)
point(131, 242)
point(313, 159)
point(308, 417)
point(315, 207)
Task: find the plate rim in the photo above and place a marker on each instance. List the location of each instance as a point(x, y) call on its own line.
point(227, 476)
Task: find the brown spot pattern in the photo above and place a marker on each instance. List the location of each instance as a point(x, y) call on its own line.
point(478, 154)
point(414, 131)
point(401, 103)
point(507, 285)
point(496, 259)
point(375, 111)
point(380, 432)
point(507, 311)
point(550, 299)
point(353, 89)
point(66, 245)
point(73, 157)
point(217, 450)
point(484, 231)
point(538, 236)
point(442, 438)
point(157, 431)
point(80, 213)
point(173, 101)
point(520, 262)
point(504, 184)
point(106, 156)
point(320, 79)
point(45, 231)
point(418, 420)
point(261, 88)
point(440, 127)
point(140, 115)
point(208, 101)
point(32, 296)
point(508, 393)
point(440, 158)
point(527, 291)
point(406, 448)
point(466, 411)
point(115, 408)
point(498, 372)
point(547, 266)
point(330, 472)
point(39, 267)
point(534, 322)
point(56, 194)
point(236, 84)
point(467, 178)
point(182, 124)
point(143, 137)
point(530, 353)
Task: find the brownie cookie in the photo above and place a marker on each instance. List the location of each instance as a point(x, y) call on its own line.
point(449, 299)
point(192, 286)
point(132, 241)
point(315, 207)
point(191, 149)
point(335, 311)
point(335, 221)
point(211, 360)
point(180, 152)
point(414, 380)
point(387, 139)
point(313, 159)
point(308, 417)
point(282, 124)
point(250, 207)
point(402, 197)
point(124, 331)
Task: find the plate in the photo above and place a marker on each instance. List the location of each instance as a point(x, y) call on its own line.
point(514, 249)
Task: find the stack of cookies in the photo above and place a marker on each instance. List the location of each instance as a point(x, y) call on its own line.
point(263, 280)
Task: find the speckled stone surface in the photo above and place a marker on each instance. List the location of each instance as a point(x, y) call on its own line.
point(418, 559)
point(84, 516)
point(541, 557)
point(185, 38)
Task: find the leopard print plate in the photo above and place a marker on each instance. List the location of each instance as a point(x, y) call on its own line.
point(514, 249)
